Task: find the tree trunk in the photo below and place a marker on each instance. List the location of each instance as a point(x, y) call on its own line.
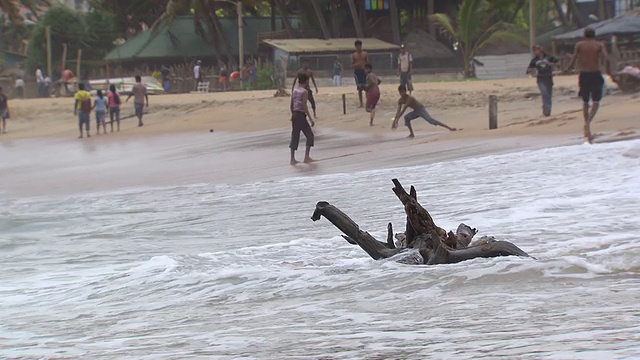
point(580, 19)
point(273, 15)
point(395, 21)
point(282, 10)
point(335, 19)
point(321, 19)
point(602, 10)
point(356, 19)
point(219, 33)
point(428, 243)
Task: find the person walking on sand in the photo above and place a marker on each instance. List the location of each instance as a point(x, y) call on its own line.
point(139, 93)
point(589, 51)
point(301, 120)
point(358, 60)
point(542, 64)
point(82, 108)
point(197, 74)
point(4, 110)
point(373, 92)
point(337, 72)
point(307, 71)
point(224, 73)
point(40, 81)
point(100, 107)
point(405, 68)
point(114, 106)
point(408, 101)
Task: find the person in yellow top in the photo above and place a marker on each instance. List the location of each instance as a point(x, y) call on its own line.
point(82, 109)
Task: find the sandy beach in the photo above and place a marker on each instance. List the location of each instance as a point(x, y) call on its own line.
point(251, 133)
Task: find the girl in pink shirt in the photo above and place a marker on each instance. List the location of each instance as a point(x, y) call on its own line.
point(114, 105)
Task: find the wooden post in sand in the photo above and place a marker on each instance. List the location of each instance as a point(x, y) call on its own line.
point(344, 104)
point(493, 112)
point(64, 56)
point(78, 67)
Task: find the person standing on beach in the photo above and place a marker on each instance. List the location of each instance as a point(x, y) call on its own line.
point(100, 107)
point(67, 76)
point(408, 101)
point(358, 60)
point(301, 120)
point(40, 81)
point(82, 108)
point(589, 51)
point(19, 86)
point(114, 105)
point(373, 92)
point(4, 110)
point(307, 71)
point(337, 72)
point(224, 73)
point(139, 93)
point(197, 74)
point(166, 81)
point(405, 68)
point(542, 64)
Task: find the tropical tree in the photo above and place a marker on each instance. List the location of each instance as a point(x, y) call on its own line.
point(11, 8)
point(472, 28)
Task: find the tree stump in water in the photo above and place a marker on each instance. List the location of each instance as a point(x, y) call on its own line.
point(423, 242)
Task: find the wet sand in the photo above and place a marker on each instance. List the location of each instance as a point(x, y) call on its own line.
point(41, 154)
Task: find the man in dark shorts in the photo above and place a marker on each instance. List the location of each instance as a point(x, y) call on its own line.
point(589, 51)
point(358, 60)
point(307, 71)
point(139, 93)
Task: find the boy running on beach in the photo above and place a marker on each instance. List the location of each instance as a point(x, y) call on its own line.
point(301, 120)
point(358, 60)
point(139, 93)
point(373, 92)
point(418, 111)
point(307, 71)
point(4, 110)
point(82, 108)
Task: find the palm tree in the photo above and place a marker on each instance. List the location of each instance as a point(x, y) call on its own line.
point(472, 29)
point(356, 19)
point(321, 20)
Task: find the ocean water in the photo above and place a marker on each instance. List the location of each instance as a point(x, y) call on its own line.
point(218, 271)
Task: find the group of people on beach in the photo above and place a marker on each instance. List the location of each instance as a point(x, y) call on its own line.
point(366, 81)
point(591, 82)
point(85, 103)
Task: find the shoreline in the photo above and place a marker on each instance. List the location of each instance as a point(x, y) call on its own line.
point(251, 136)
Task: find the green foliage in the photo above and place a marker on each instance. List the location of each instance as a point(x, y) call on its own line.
point(470, 32)
point(265, 79)
point(93, 32)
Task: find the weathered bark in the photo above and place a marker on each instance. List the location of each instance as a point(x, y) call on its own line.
point(423, 242)
point(395, 21)
point(282, 10)
point(376, 249)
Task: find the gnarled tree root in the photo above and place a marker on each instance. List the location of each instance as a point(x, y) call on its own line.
point(434, 244)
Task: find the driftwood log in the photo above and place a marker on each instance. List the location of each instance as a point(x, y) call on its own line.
point(422, 242)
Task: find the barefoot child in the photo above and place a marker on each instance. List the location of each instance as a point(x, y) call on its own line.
point(82, 108)
point(114, 105)
point(4, 110)
point(301, 120)
point(100, 106)
point(418, 111)
point(373, 92)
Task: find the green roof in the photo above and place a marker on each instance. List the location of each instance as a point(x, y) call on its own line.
point(185, 43)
